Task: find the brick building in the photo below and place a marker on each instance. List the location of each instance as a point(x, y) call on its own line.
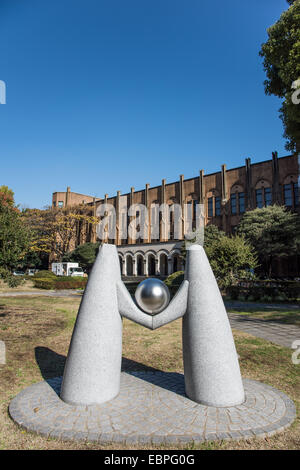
point(226, 195)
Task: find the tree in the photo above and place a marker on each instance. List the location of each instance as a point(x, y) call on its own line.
point(56, 231)
point(231, 258)
point(84, 254)
point(6, 196)
point(281, 54)
point(14, 236)
point(273, 231)
point(211, 233)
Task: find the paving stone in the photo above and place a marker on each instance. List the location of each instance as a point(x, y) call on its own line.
point(161, 416)
point(283, 335)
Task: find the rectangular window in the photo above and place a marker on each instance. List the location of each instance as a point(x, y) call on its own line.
point(241, 203)
point(268, 197)
point(60, 204)
point(210, 207)
point(259, 198)
point(233, 203)
point(287, 190)
point(296, 194)
point(218, 206)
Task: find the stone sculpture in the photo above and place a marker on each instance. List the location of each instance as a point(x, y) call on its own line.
point(93, 367)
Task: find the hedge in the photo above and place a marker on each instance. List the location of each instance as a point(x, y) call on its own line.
point(44, 274)
point(64, 282)
point(266, 291)
point(173, 281)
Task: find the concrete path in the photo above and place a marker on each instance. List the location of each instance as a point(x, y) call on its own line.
point(279, 333)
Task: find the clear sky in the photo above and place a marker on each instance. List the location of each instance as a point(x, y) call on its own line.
point(105, 95)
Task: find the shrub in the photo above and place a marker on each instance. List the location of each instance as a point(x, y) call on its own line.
point(174, 279)
point(44, 275)
point(63, 282)
point(41, 283)
point(265, 291)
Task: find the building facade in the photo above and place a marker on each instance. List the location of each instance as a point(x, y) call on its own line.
point(225, 196)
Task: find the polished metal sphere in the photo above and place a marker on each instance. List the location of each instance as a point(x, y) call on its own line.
point(152, 296)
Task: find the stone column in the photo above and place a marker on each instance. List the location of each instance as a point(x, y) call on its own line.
point(134, 267)
point(106, 229)
point(224, 198)
point(163, 222)
point(118, 222)
point(156, 267)
point(68, 196)
point(249, 184)
point(131, 218)
point(123, 267)
point(201, 187)
point(181, 202)
point(275, 173)
point(148, 227)
point(94, 233)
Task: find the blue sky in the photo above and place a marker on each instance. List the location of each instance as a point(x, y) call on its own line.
point(105, 95)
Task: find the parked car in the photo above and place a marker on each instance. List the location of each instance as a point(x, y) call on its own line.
point(31, 272)
point(18, 273)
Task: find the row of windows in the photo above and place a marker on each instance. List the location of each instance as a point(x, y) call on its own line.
point(263, 198)
point(237, 204)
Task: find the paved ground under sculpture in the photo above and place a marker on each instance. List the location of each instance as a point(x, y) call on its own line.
point(91, 401)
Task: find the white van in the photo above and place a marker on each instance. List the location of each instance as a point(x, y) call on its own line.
point(67, 269)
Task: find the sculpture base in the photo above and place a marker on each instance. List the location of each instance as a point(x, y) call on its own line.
point(151, 408)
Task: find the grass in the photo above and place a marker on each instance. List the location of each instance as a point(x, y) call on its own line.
point(37, 332)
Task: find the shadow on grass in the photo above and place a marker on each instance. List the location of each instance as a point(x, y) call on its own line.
point(52, 365)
